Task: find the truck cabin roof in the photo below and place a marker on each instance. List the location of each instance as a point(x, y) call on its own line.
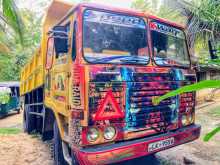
point(121, 10)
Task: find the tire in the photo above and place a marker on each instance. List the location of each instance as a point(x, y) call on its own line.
point(57, 146)
point(47, 135)
point(28, 121)
point(74, 159)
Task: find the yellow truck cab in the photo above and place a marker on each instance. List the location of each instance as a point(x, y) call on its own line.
point(90, 84)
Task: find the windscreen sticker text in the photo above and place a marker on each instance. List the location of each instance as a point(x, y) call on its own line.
point(166, 29)
point(115, 19)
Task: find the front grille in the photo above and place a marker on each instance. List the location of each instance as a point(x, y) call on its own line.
point(152, 77)
point(140, 110)
point(98, 91)
point(187, 102)
point(134, 96)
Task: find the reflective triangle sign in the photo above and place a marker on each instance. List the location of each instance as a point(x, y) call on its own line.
point(109, 108)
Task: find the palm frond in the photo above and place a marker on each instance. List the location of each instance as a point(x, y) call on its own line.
point(142, 5)
point(189, 88)
point(12, 15)
point(211, 134)
point(4, 48)
point(203, 17)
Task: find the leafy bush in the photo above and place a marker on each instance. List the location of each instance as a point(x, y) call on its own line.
point(4, 95)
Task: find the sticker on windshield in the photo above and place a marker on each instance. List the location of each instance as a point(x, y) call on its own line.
point(166, 29)
point(114, 19)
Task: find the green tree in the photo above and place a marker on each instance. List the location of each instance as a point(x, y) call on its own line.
point(204, 17)
point(142, 5)
point(4, 95)
point(10, 17)
point(158, 9)
point(203, 23)
point(201, 17)
point(15, 58)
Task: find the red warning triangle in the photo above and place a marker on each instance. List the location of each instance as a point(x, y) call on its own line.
point(113, 113)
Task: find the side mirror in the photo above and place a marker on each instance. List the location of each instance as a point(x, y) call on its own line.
point(60, 39)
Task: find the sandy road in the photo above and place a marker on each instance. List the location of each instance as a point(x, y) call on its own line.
point(23, 149)
point(198, 152)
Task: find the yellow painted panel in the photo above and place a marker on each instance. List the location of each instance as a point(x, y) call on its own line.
point(32, 75)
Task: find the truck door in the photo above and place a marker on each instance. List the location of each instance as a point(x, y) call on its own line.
point(60, 77)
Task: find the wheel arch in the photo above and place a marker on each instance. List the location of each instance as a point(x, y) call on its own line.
point(50, 117)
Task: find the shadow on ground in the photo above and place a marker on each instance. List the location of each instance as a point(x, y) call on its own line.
point(151, 160)
point(8, 115)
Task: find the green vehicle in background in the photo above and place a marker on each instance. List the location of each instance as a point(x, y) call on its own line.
point(9, 98)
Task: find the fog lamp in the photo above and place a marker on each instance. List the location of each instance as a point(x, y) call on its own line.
point(92, 134)
point(109, 133)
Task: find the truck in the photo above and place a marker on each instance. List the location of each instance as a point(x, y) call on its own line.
point(91, 83)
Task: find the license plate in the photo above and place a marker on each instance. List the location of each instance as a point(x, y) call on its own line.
point(160, 144)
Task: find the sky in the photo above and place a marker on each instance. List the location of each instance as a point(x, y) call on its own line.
point(117, 3)
point(35, 5)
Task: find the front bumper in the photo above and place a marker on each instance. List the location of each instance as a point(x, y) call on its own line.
point(134, 148)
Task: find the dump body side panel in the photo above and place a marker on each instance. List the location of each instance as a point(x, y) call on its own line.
point(32, 74)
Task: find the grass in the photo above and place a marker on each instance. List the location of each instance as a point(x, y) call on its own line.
point(9, 131)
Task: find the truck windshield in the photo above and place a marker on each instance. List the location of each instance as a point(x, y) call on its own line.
point(169, 45)
point(114, 38)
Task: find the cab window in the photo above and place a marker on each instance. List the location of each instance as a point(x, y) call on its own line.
point(114, 38)
point(67, 30)
point(169, 45)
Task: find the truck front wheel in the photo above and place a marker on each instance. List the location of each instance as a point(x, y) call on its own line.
point(58, 150)
point(74, 159)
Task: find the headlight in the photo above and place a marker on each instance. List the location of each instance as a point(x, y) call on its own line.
point(92, 134)
point(184, 120)
point(109, 133)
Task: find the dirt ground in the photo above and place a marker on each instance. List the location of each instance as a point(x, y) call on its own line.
point(23, 149)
